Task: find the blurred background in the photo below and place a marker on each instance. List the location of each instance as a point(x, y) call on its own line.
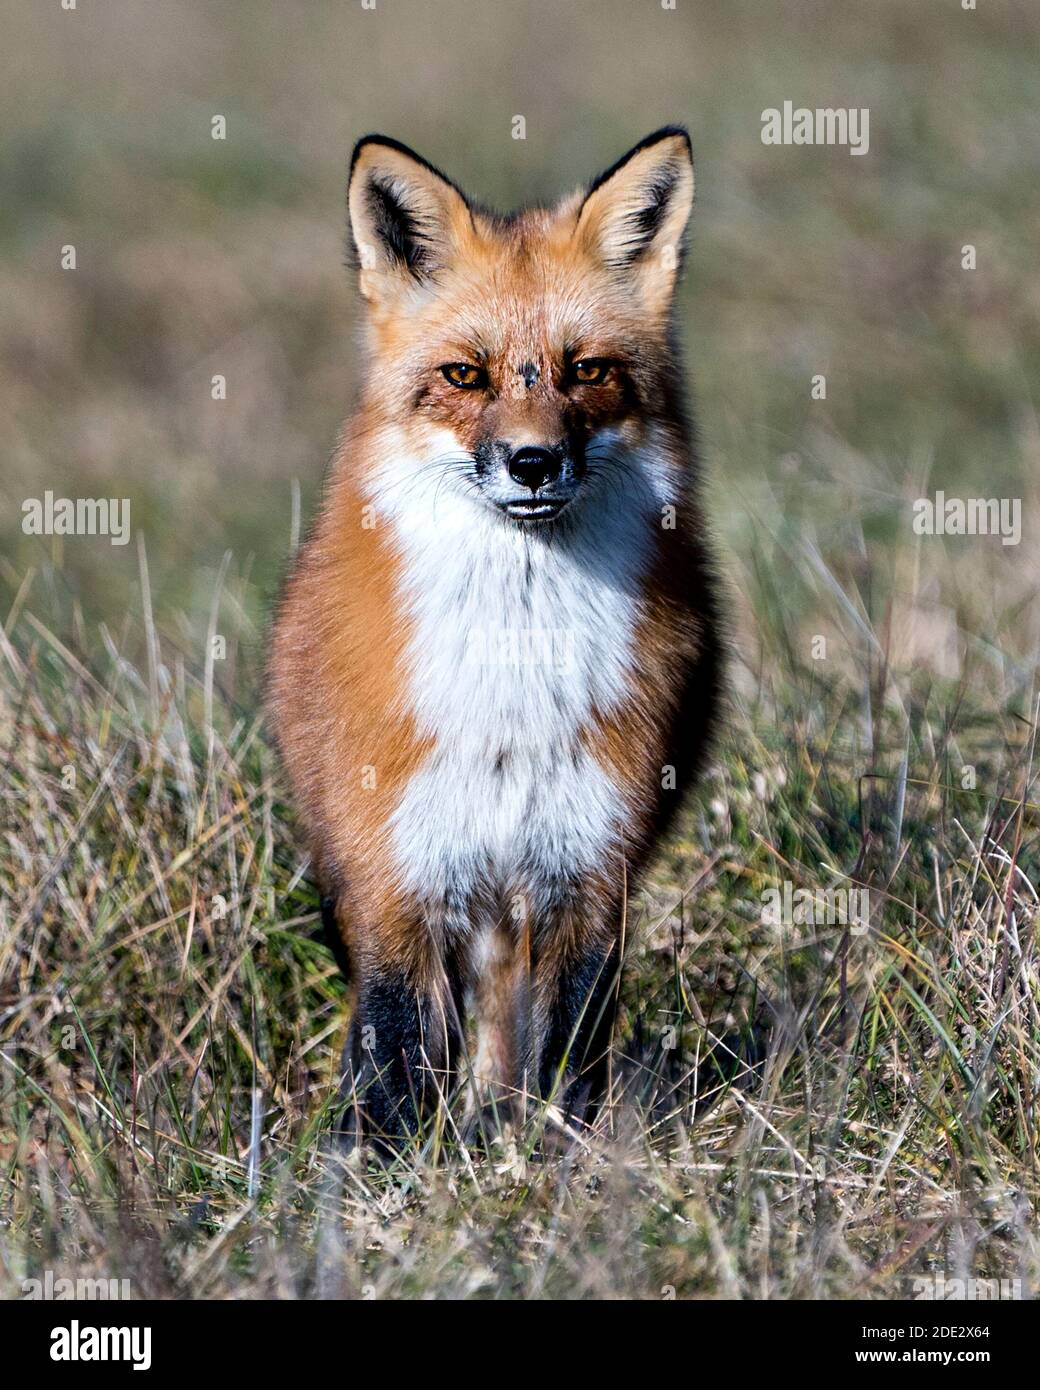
point(197, 257)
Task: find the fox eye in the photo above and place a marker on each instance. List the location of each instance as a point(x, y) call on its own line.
point(464, 374)
point(589, 372)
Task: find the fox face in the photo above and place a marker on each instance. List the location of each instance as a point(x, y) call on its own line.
point(520, 361)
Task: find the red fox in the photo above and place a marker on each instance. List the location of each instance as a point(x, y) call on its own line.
point(496, 662)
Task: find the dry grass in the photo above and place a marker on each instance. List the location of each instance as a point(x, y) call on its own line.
point(171, 1026)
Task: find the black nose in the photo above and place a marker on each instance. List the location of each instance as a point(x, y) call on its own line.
point(533, 467)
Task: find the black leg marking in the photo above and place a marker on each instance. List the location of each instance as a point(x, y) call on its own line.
point(397, 1036)
point(334, 937)
point(579, 1027)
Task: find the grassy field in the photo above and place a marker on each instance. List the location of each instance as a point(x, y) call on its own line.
point(797, 1111)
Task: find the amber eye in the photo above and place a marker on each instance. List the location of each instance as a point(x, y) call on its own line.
point(464, 374)
point(590, 372)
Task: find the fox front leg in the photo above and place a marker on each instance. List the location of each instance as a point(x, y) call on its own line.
point(574, 1000)
point(399, 1058)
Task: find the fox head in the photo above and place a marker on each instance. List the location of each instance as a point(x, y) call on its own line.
point(521, 359)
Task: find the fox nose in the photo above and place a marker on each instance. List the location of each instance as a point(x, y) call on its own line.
point(532, 467)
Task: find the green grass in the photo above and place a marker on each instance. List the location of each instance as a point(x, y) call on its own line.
point(795, 1113)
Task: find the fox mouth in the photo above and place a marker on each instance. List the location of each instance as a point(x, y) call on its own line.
point(534, 508)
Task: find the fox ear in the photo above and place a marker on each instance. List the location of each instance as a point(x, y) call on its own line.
point(634, 216)
point(405, 216)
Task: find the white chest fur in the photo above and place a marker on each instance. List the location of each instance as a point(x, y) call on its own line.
point(517, 637)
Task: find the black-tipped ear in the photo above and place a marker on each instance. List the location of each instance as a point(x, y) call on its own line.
point(634, 216)
point(406, 218)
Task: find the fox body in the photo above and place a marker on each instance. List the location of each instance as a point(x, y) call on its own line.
point(495, 664)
